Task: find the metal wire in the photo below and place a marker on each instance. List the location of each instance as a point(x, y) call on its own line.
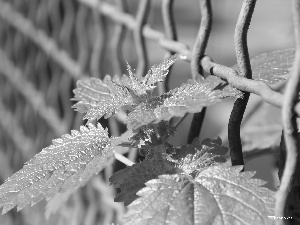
point(45, 46)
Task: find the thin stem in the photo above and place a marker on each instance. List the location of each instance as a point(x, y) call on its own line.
point(180, 121)
point(196, 125)
point(286, 194)
point(176, 126)
point(123, 159)
point(244, 66)
point(197, 54)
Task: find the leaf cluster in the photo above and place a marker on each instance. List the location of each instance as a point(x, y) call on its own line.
point(187, 184)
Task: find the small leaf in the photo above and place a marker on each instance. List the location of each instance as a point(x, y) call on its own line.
point(152, 134)
point(131, 179)
point(198, 155)
point(225, 89)
point(218, 195)
point(272, 67)
point(62, 167)
point(143, 136)
point(158, 72)
point(140, 85)
point(189, 98)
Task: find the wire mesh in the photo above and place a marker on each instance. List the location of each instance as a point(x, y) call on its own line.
point(45, 47)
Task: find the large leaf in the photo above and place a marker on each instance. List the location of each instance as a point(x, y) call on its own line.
point(218, 195)
point(199, 155)
point(263, 129)
point(140, 86)
point(99, 98)
point(62, 167)
point(189, 98)
point(133, 178)
point(272, 67)
point(186, 158)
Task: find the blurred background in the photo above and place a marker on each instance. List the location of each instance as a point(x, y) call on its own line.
point(46, 45)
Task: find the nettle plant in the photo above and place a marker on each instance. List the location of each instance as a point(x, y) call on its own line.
point(187, 184)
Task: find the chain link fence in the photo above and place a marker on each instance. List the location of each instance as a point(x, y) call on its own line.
point(45, 47)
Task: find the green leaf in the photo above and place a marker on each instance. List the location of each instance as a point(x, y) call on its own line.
point(62, 167)
point(159, 71)
point(189, 98)
point(199, 155)
point(99, 98)
point(272, 67)
point(225, 89)
point(151, 135)
point(218, 195)
point(131, 179)
point(187, 158)
point(140, 86)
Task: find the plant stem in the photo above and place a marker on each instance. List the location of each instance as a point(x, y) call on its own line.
point(180, 121)
point(123, 159)
point(197, 54)
point(244, 66)
point(196, 125)
point(286, 194)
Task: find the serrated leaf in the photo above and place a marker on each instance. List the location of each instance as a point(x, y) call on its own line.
point(99, 98)
point(218, 195)
point(151, 135)
point(189, 98)
point(159, 71)
point(186, 158)
point(140, 86)
point(225, 88)
point(143, 136)
point(272, 67)
point(263, 129)
point(64, 166)
point(131, 179)
point(198, 155)
point(57, 202)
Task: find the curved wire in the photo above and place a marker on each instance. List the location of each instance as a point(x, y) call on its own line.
point(288, 195)
point(171, 34)
point(244, 66)
point(141, 19)
point(117, 40)
point(196, 68)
